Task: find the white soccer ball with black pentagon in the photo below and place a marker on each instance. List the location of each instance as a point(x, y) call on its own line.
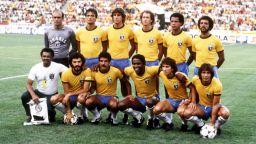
point(73, 119)
point(208, 131)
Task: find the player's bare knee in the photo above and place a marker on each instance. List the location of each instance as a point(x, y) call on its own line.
point(157, 110)
point(54, 100)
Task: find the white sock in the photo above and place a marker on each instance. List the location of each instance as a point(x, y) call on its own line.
point(151, 113)
point(133, 113)
point(95, 112)
point(81, 108)
point(164, 117)
point(170, 115)
point(196, 120)
point(61, 107)
point(220, 121)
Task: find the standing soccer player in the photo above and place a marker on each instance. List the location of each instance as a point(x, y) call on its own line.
point(149, 40)
point(144, 79)
point(209, 90)
point(177, 42)
point(59, 38)
point(119, 38)
point(207, 46)
point(92, 39)
point(76, 84)
point(46, 75)
point(105, 80)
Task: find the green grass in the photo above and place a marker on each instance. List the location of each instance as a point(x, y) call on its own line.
point(20, 52)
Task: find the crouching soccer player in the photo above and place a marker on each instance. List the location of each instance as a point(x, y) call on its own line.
point(209, 90)
point(75, 81)
point(147, 97)
point(176, 92)
point(105, 80)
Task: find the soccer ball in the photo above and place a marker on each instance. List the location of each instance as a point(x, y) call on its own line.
point(208, 131)
point(73, 119)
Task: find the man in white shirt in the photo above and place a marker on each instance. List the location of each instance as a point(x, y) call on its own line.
point(46, 75)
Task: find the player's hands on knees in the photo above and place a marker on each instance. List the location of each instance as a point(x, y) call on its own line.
point(192, 105)
point(66, 98)
point(35, 99)
point(185, 102)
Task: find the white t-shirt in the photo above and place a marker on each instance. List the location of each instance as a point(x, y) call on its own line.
point(46, 77)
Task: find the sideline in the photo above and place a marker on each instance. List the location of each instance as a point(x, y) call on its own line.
point(11, 77)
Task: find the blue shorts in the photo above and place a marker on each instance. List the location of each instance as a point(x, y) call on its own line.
point(73, 101)
point(215, 70)
point(104, 99)
point(152, 63)
point(90, 62)
point(207, 111)
point(120, 63)
point(144, 100)
point(183, 67)
point(174, 103)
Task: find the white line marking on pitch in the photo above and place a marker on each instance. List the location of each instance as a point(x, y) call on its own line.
point(15, 58)
point(11, 77)
point(238, 68)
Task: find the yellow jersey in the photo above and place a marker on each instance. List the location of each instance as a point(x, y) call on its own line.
point(206, 93)
point(118, 40)
point(148, 43)
point(206, 50)
point(145, 85)
point(175, 89)
point(106, 83)
point(177, 46)
point(75, 82)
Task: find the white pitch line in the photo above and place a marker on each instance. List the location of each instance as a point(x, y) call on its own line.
point(11, 77)
point(238, 68)
point(15, 58)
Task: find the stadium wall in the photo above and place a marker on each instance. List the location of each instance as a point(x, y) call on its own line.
point(226, 36)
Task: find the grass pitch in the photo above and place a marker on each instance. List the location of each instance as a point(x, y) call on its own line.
point(20, 52)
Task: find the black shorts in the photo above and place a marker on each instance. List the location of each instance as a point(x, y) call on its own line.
point(63, 61)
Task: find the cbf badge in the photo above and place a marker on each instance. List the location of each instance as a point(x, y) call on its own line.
point(151, 41)
point(210, 47)
point(51, 76)
point(147, 81)
point(208, 94)
point(95, 38)
point(121, 37)
point(109, 80)
point(175, 85)
point(179, 43)
point(38, 108)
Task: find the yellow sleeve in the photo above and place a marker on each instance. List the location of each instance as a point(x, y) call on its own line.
point(104, 35)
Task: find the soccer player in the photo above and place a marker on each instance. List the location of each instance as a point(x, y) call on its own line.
point(46, 75)
point(92, 39)
point(144, 79)
point(177, 42)
point(59, 37)
point(75, 81)
point(119, 38)
point(105, 79)
point(209, 90)
point(207, 47)
point(176, 92)
point(149, 40)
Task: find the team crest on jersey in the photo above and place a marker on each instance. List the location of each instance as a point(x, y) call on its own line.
point(109, 80)
point(51, 76)
point(179, 43)
point(147, 81)
point(208, 94)
point(151, 40)
point(95, 39)
point(210, 47)
point(122, 37)
point(175, 85)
